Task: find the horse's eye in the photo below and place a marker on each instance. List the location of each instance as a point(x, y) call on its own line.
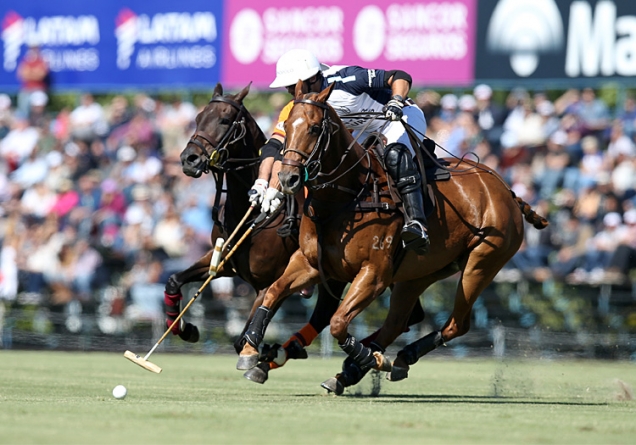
point(314, 129)
point(225, 121)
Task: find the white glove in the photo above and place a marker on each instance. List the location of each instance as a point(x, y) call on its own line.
point(257, 191)
point(393, 108)
point(272, 200)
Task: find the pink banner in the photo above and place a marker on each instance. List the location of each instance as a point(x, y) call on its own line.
point(434, 41)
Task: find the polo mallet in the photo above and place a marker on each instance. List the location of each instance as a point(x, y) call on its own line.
point(143, 362)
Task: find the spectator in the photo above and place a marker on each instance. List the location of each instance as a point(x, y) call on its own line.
point(533, 255)
point(571, 239)
point(34, 75)
point(9, 268)
point(623, 259)
point(37, 109)
point(489, 116)
point(627, 116)
point(6, 115)
point(449, 107)
point(592, 112)
point(553, 166)
point(19, 143)
point(33, 169)
point(174, 122)
point(112, 206)
point(599, 251)
point(67, 199)
point(87, 262)
point(87, 119)
point(619, 143)
point(592, 163)
point(429, 102)
point(37, 201)
point(169, 234)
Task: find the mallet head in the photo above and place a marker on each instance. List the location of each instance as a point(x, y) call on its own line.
point(141, 362)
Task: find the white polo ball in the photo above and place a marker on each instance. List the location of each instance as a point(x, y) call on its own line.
point(119, 392)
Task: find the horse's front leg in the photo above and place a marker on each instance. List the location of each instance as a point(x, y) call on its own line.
point(298, 275)
point(364, 289)
point(173, 296)
point(294, 347)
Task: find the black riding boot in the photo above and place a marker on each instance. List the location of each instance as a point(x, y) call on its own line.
point(401, 167)
point(414, 234)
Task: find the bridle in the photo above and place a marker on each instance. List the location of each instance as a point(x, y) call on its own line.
point(311, 162)
point(311, 166)
point(218, 155)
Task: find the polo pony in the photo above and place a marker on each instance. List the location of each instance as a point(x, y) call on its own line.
point(350, 232)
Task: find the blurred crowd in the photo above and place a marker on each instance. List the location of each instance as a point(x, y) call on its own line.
point(572, 158)
point(93, 197)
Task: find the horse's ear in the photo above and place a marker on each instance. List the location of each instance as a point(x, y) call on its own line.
point(240, 96)
point(218, 90)
point(301, 89)
point(324, 94)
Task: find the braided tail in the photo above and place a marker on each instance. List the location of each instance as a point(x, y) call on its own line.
point(538, 221)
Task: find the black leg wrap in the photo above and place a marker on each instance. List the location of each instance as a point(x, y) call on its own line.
point(413, 351)
point(190, 333)
point(239, 343)
point(172, 286)
point(359, 353)
point(256, 330)
point(352, 373)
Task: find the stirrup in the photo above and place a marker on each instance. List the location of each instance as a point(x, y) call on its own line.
point(415, 237)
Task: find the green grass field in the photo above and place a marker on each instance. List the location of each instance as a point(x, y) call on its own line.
point(65, 398)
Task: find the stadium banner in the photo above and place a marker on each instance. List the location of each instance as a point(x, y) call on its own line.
point(432, 40)
point(116, 44)
point(556, 39)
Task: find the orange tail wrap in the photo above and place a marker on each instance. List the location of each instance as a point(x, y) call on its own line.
point(305, 337)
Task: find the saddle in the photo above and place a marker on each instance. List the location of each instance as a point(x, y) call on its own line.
point(434, 168)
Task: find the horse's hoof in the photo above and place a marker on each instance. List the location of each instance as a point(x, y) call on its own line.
point(190, 333)
point(333, 385)
point(397, 374)
point(246, 362)
point(382, 362)
point(257, 374)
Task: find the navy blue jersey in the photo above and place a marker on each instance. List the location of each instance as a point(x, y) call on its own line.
point(357, 90)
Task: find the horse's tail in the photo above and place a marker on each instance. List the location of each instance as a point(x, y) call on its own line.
point(538, 221)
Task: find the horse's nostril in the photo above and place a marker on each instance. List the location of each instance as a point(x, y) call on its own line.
point(192, 159)
point(293, 180)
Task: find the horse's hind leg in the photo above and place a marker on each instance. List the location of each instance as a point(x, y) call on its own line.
point(173, 296)
point(478, 273)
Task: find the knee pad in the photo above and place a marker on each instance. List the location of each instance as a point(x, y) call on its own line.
point(402, 168)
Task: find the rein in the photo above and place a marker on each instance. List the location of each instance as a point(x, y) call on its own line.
point(312, 162)
point(218, 156)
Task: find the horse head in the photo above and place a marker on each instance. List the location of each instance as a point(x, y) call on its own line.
point(308, 131)
point(219, 126)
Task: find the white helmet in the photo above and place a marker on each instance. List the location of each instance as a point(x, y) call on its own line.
point(295, 65)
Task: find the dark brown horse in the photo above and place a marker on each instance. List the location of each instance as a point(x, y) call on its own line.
point(226, 143)
point(352, 234)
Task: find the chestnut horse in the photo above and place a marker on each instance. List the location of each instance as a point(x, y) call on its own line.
point(226, 143)
point(351, 226)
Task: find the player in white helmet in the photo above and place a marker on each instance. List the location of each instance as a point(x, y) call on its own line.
point(356, 89)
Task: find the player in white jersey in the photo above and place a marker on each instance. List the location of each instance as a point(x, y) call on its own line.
point(357, 90)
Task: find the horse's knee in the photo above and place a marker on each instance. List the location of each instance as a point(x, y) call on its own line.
point(454, 330)
point(173, 286)
point(338, 328)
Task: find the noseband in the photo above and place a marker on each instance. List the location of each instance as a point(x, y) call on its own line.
point(219, 154)
point(310, 168)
